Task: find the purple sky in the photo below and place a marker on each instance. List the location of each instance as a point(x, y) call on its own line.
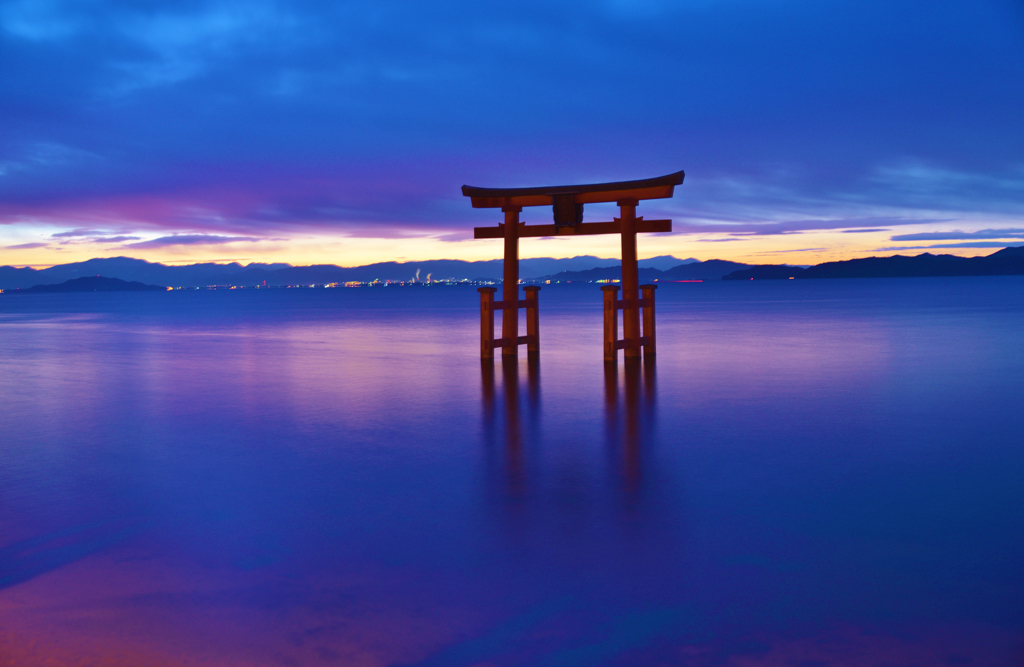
point(267, 130)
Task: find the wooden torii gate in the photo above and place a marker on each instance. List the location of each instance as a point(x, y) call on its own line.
point(567, 201)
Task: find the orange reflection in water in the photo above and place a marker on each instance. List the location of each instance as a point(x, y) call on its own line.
point(630, 394)
point(629, 415)
point(512, 416)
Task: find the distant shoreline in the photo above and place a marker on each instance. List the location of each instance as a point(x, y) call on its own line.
point(437, 284)
point(136, 274)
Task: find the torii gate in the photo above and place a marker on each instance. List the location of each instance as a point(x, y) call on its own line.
point(567, 202)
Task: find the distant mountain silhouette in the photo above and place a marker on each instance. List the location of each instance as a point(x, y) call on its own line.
point(601, 273)
point(202, 275)
point(1008, 261)
point(123, 268)
point(95, 284)
point(713, 269)
point(766, 272)
point(664, 262)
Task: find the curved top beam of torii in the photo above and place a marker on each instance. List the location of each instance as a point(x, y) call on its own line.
point(567, 203)
point(661, 187)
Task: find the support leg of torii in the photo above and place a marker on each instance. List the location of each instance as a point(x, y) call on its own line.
point(510, 284)
point(630, 279)
point(486, 322)
point(650, 337)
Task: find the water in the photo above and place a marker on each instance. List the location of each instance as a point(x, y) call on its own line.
point(813, 473)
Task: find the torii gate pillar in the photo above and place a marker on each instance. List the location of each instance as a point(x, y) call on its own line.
point(510, 282)
point(630, 277)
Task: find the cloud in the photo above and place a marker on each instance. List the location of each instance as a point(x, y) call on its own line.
point(27, 246)
point(921, 185)
point(777, 252)
point(975, 244)
point(45, 156)
point(77, 232)
point(74, 236)
point(862, 231)
point(957, 235)
point(798, 226)
point(114, 239)
point(36, 21)
point(179, 44)
point(193, 239)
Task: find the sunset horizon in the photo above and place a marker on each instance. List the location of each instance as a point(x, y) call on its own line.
point(190, 248)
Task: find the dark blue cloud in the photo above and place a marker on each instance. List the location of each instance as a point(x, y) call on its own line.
point(257, 117)
point(1009, 233)
point(796, 226)
point(191, 239)
point(113, 239)
point(75, 233)
point(972, 244)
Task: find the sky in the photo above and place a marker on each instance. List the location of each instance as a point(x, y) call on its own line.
point(342, 132)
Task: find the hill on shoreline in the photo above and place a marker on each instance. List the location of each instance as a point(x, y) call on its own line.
point(1006, 262)
point(93, 284)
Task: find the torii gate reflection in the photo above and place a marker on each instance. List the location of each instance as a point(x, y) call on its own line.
point(567, 203)
point(629, 418)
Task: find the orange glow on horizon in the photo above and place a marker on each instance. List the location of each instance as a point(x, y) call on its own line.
point(803, 249)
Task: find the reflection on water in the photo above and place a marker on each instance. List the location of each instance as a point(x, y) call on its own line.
point(810, 474)
point(515, 412)
point(508, 446)
point(630, 416)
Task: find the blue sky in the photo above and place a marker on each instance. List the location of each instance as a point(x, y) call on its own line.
point(342, 132)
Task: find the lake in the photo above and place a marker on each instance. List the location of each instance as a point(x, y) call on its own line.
point(812, 473)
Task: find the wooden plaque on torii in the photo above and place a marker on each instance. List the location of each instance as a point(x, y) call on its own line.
point(567, 203)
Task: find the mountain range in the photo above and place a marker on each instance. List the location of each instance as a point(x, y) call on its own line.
point(712, 269)
point(1008, 261)
point(1005, 262)
point(202, 275)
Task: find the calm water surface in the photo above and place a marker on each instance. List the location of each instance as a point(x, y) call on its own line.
point(813, 473)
